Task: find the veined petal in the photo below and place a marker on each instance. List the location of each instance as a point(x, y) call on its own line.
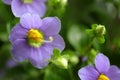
point(30, 21)
point(17, 33)
point(39, 57)
point(18, 8)
point(20, 50)
point(102, 63)
point(88, 73)
point(113, 73)
point(51, 25)
point(57, 42)
point(37, 7)
point(7, 1)
point(11, 63)
point(48, 48)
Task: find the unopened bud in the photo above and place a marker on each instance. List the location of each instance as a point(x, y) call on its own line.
point(100, 30)
point(61, 62)
point(74, 60)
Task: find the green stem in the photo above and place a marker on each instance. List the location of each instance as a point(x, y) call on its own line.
point(89, 45)
point(70, 73)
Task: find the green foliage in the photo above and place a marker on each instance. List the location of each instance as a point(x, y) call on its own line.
point(56, 7)
point(78, 38)
point(82, 32)
point(97, 32)
point(59, 60)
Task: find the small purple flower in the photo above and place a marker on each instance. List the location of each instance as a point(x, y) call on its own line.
point(84, 59)
point(101, 71)
point(35, 39)
point(20, 7)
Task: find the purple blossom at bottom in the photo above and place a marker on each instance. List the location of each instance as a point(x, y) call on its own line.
point(34, 39)
point(101, 71)
point(20, 7)
point(11, 63)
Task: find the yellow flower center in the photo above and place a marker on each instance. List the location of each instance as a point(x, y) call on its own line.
point(36, 38)
point(27, 1)
point(103, 77)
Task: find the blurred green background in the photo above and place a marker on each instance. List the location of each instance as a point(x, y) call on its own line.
point(76, 16)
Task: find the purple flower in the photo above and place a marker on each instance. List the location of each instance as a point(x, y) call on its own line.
point(101, 71)
point(20, 7)
point(11, 63)
point(35, 39)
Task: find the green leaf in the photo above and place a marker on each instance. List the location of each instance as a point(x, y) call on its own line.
point(76, 36)
point(56, 53)
point(100, 39)
point(52, 76)
point(90, 32)
point(94, 26)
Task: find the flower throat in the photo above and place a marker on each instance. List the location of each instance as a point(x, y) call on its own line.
point(36, 38)
point(103, 77)
point(27, 1)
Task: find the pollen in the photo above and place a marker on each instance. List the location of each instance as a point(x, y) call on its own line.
point(35, 37)
point(103, 77)
point(27, 1)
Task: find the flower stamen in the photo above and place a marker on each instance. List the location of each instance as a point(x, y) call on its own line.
point(36, 38)
point(48, 41)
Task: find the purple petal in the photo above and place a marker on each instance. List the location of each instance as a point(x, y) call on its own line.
point(11, 63)
point(51, 25)
point(102, 63)
point(88, 73)
point(20, 50)
point(41, 0)
point(7, 1)
point(17, 33)
point(18, 8)
point(113, 73)
point(39, 56)
point(30, 21)
point(37, 7)
point(58, 42)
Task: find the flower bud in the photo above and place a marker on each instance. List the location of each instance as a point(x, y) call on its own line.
point(74, 60)
point(61, 62)
point(100, 30)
